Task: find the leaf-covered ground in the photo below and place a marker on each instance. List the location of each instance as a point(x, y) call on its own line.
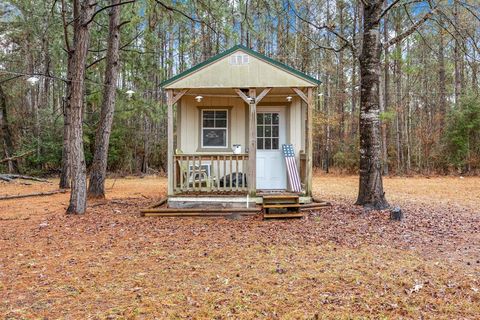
point(342, 262)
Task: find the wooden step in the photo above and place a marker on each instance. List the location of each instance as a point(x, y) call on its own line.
point(283, 215)
point(174, 210)
point(281, 196)
point(196, 214)
point(281, 205)
point(280, 200)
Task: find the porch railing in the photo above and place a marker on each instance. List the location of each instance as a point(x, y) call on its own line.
point(210, 173)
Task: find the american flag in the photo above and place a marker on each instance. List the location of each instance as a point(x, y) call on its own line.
point(292, 171)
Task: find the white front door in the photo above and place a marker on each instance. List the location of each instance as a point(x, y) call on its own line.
point(271, 134)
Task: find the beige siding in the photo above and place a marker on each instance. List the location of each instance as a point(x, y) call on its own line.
point(189, 123)
point(303, 125)
point(257, 73)
point(295, 125)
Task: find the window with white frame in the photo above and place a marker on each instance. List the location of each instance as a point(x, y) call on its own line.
point(214, 128)
point(268, 133)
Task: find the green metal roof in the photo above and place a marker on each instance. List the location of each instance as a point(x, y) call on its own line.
point(249, 51)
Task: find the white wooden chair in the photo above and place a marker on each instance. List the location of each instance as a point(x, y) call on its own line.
point(193, 175)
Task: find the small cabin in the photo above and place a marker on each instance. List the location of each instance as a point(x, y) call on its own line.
point(228, 119)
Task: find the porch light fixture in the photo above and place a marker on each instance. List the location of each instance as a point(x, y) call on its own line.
point(33, 80)
point(289, 98)
point(130, 93)
point(199, 98)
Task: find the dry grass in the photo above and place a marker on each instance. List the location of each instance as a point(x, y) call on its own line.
point(450, 190)
point(36, 208)
point(339, 263)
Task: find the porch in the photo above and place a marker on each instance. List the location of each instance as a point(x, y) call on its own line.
point(210, 173)
point(220, 174)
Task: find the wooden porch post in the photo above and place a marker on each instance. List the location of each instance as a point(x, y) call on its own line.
point(252, 146)
point(170, 141)
point(252, 101)
point(308, 99)
point(309, 142)
point(171, 100)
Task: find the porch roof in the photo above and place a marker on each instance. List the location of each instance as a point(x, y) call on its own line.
point(258, 71)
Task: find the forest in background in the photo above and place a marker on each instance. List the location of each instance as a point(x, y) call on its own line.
point(429, 82)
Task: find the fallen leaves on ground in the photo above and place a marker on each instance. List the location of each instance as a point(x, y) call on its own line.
point(339, 262)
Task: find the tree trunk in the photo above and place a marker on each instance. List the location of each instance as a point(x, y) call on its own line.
point(6, 134)
point(474, 67)
point(408, 115)
point(65, 175)
point(456, 57)
point(170, 45)
point(354, 88)
point(398, 120)
point(326, 97)
point(326, 106)
point(66, 169)
point(370, 193)
point(385, 101)
point(96, 188)
point(146, 144)
point(398, 99)
point(341, 95)
point(78, 195)
point(353, 124)
point(442, 99)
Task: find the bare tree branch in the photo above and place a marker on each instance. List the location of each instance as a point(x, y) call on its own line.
point(65, 26)
point(125, 45)
point(393, 4)
point(17, 156)
point(318, 45)
point(410, 30)
point(462, 38)
point(459, 32)
point(417, 31)
point(107, 7)
point(347, 43)
point(95, 62)
point(121, 48)
point(172, 9)
point(466, 7)
point(11, 78)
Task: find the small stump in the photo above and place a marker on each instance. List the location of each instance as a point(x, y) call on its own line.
point(396, 214)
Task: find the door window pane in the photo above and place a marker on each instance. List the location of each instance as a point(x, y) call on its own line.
point(268, 144)
point(275, 118)
point(268, 131)
point(267, 118)
point(275, 143)
point(259, 118)
point(260, 131)
point(260, 143)
point(275, 131)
